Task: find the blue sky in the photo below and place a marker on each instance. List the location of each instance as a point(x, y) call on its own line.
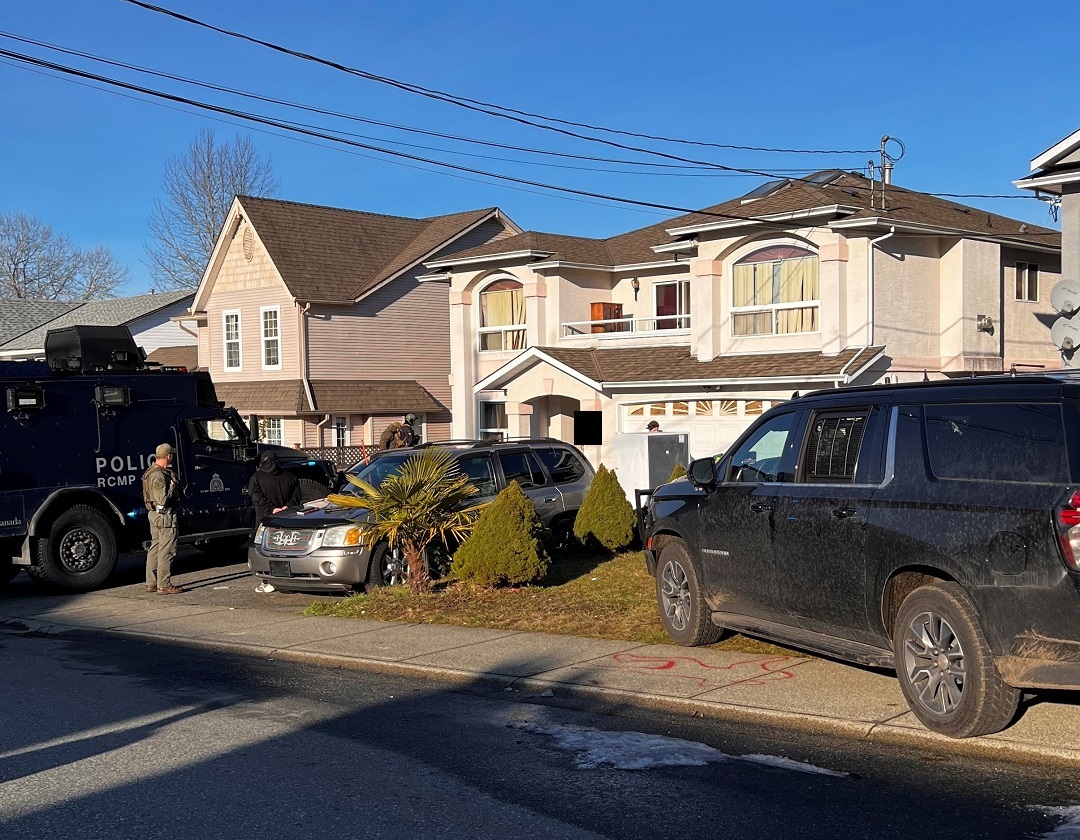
point(974, 90)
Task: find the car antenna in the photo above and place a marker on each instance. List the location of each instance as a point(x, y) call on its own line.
point(925, 378)
point(795, 396)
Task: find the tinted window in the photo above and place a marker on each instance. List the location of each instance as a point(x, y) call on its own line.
point(481, 472)
point(523, 468)
point(562, 465)
point(832, 447)
point(377, 471)
point(996, 442)
point(758, 458)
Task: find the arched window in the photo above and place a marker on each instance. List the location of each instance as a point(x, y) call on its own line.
point(775, 292)
point(502, 316)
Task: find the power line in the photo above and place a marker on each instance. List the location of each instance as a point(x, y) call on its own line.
point(451, 99)
point(526, 117)
point(697, 171)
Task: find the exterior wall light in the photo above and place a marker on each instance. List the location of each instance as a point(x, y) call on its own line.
point(635, 284)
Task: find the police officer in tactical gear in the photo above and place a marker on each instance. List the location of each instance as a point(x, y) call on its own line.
point(161, 495)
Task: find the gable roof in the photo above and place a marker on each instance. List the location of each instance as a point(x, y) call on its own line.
point(332, 254)
point(105, 313)
point(847, 198)
point(628, 366)
point(18, 315)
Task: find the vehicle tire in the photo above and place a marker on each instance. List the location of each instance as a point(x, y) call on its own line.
point(682, 604)
point(310, 490)
point(944, 665)
point(562, 531)
point(79, 553)
point(387, 568)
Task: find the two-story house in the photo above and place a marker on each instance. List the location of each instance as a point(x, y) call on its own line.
point(704, 321)
point(315, 319)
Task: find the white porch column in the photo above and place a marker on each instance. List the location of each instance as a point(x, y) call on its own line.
point(706, 312)
point(518, 420)
point(832, 274)
point(462, 366)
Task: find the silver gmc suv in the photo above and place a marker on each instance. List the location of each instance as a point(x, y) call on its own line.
point(319, 548)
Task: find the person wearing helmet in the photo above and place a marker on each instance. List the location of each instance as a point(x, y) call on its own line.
point(398, 435)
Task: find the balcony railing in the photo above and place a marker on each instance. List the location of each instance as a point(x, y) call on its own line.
point(616, 327)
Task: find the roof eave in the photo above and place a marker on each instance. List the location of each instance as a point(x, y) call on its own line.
point(1061, 149)
point(792, 215)
point(936, 230)
point(452, 262)
point(1050, 183)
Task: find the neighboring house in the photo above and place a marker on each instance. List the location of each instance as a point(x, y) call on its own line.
point(314, 318)
point(19, 315)
point(1056, 173)
point(148, 317)
point(704, 321)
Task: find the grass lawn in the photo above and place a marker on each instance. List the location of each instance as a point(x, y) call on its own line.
point(584, 595)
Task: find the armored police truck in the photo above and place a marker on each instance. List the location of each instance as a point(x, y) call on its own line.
point(79, 430)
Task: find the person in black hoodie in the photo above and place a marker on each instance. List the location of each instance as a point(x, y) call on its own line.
point(272, 490)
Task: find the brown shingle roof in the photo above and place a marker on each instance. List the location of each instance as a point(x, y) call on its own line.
point(652, 364)
point(847, 190)
point(359, 397)
point(326, 253)
point(372, 396)
point(184, 355)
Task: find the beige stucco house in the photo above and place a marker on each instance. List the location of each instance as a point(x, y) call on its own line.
point(703, 321)
point(315, 319)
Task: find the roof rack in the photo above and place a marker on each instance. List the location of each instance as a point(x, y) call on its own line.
point(510, 441)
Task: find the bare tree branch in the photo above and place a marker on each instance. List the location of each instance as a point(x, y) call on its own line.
point(37, 263)
point(199, 186)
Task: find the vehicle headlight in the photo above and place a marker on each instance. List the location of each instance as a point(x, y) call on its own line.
point(341, 535)
point(259, 533)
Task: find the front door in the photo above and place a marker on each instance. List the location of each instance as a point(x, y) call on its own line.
point(820, 522)
point(214, 476)
point(735, 547)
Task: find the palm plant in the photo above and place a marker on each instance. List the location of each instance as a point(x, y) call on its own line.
point(425, 501)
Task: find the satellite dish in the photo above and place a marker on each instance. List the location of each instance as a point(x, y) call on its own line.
point(1065, 296)
point(1066, 333)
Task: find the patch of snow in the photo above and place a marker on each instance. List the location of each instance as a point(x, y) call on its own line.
point(1069, 828)
point(638, 751)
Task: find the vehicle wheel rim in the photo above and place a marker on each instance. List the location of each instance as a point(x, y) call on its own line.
point(934, 663)
point(675, 595)
point(395, 570)
point(80, 550)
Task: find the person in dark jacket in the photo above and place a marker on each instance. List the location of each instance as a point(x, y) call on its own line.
point(272, 490)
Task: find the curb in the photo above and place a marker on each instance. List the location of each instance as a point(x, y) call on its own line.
point(884, 734)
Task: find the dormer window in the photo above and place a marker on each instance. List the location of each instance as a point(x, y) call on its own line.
point(775, 292)
point(502, 316)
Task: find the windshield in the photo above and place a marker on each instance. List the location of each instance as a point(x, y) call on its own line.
point(376, 472)
point(216, 430)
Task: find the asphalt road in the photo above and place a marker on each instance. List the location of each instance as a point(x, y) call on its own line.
point(110, 738)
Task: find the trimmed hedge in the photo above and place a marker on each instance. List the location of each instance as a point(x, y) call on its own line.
point(507, 544)
point(606, 517)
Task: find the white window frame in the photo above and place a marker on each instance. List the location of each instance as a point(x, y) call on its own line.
point(482, 430)
point(335, 428)
point(1028, 268)
point(277, 437)
point(682, 295)
point(267, 340)
point(773, 309)
point(481, 331)
point(239, 340)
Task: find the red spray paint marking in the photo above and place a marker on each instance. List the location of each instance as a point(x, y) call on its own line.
point(766, 667)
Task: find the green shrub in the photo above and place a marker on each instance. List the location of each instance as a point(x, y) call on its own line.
point(678, 472)
point(606, 517)
point(507, 545)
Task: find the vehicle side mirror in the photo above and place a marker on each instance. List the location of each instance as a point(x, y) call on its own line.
point(702, 473)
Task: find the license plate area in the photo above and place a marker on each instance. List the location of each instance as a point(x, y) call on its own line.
point(280, 568)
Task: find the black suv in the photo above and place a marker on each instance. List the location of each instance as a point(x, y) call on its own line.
point(318, 548)
point(933, 528)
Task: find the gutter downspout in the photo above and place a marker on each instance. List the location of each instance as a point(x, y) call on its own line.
point(869, 303)
point(301, 330)
point(870, 286)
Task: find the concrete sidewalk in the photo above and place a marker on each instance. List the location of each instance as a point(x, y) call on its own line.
point(794, 692)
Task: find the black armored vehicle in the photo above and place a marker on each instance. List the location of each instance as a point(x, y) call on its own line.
point(78, 432)
point(933, 528)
